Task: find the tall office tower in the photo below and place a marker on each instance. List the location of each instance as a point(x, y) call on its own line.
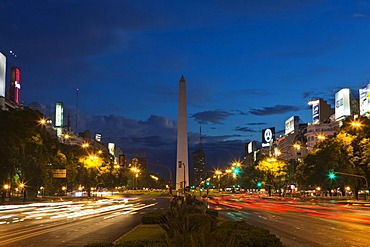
point(182, 169)
point(2, 80)
point(199, 163)
point(15, 85)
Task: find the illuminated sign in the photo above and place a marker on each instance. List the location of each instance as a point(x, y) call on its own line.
point(15, 84)
point(342, 103)
point(252, 146)
point(98, 137)
point(268, 136)
point(2, 74)
point(364, 100)
point(291, 124)
point(59, 173)
point(316, 112)
point(59, 114)
point(111, 148)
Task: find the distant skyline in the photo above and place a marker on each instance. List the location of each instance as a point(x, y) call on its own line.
point(249, 65)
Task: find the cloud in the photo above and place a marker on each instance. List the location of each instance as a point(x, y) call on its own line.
point(156, 137)
point(360, 15)
point(260, 123)
point(244, 129)
point(274, 110)
point(214, 117)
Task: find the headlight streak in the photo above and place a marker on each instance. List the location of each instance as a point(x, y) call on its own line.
point(68, 210)
point(348, 213)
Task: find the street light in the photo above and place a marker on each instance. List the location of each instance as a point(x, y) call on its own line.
point(85, 145)
point(356, 124)
point(23, 191)
point(218, 173)
point(64, 189)
point(321, 137)
point(135, 171)
point(42, 121)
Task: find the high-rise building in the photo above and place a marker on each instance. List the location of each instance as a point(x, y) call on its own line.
point(182, 168)
point(15, 85)
point(321, 110)
point(199, 164)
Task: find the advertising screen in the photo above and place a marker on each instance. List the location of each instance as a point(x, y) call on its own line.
point(342, 103)
point(59, 114)
point(2, 74)
point(111, 148)
point(291, 124)
point(15, 84)
point(268, 136)
point(316, 112)
point(364, 93)
point(98, 137)
point(252, 146)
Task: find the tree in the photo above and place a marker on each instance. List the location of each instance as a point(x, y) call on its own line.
point(347, 152)
point(274, 171)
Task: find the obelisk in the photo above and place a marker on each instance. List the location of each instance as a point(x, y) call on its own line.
point(182, 165)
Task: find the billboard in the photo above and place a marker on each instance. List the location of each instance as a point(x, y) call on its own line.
point(364, 93)
point(111, 148)
point(268, 136)
point(315, 111)
point(59, 114)
point(342, 103)
point(15, 85)
point(2, 74)
point(59, 173)
point(291, 124)
point(98, 137)
point(251, 147)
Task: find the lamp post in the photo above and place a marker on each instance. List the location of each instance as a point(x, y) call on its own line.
point(6, 187)
point(352, 175)
point(23, 190)
point(135, 171)
point(218, 174)
point(170, 172)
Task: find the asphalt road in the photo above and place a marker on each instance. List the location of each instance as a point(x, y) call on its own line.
point(73, 223)
point(302, 223)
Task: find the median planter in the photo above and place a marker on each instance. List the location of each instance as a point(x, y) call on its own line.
point(153, 217)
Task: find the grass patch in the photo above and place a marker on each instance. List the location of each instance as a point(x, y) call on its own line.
point(147, 233)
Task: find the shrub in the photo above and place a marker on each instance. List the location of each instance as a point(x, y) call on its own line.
point(239, 233)
point(141, 243)
point(99, 245)
point(152, 217)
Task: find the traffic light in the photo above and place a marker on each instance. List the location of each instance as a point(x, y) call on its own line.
point(332, 175)
point(259, 184)
point(207, 183)
point(236, 170)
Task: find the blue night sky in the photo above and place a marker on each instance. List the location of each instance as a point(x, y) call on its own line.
point(249, 65)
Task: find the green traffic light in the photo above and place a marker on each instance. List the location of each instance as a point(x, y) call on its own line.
point(259, 184)
point(236, 170)
point(332, 175)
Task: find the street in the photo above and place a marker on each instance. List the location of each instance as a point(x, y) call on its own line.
point(300, 223)
point(73, 223)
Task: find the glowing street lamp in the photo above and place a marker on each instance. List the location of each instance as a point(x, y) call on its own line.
point(85, 145)
point(356, 124)
point(297, 146)
point(64, 189)
point(42, 121)
point(321, 137)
